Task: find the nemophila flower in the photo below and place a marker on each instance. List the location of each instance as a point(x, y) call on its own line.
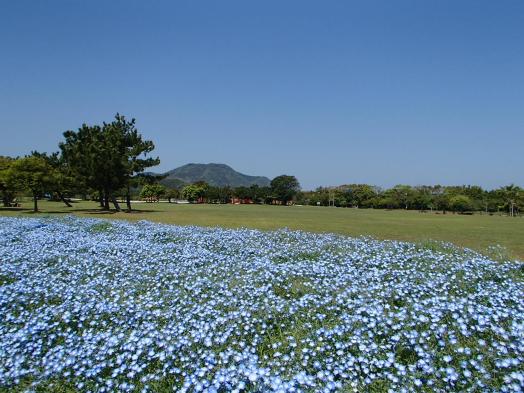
point(142, 307)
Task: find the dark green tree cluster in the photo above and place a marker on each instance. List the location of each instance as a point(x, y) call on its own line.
point(7, 187)
point(31, 173)
point(37, 174)
point(461, 199)
point(283, 190)
point(105, 161)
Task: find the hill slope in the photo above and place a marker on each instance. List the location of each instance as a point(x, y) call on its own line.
point(213, 174)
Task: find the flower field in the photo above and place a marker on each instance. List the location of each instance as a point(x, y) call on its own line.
point(92, 305)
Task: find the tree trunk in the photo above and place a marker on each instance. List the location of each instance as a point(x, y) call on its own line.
point(35, 203)
point(101, 198)
point(61, 196)
point(128, 201)
point(117, 206)
point(106, 200)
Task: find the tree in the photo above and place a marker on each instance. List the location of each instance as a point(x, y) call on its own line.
point(388, 201)
point(422, 198)
point(137, 151)
point(7, 186)
point(62, 181)
point(512, 195)
point(81, 152)
point(262, 195)
point(403, 195)
point(108, 158)
point(440, 198)
point(360, 195)
point(194, 192)
point(242, 192)
point(460, 203)
point(32, 173)
point(152, 192)
point(219, 194)
point(172, 193)
point(284, 188)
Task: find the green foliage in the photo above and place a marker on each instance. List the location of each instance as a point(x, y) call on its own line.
point(219, 194)
point(294, 287)
point(101, 227)
point(461, 203)
point(107, 158)
point(6, 279)
point(172, 193)
point(406, 355)
point(194, 192)
point(152, 192)
point(64, 182)
point(284, 188)
point(508, 199)
point(32, 173)
point(7, 186)
point(512, 197)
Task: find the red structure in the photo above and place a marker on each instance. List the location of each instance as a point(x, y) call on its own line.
point(241, 201)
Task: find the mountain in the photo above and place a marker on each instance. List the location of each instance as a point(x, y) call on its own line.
point(212, 174)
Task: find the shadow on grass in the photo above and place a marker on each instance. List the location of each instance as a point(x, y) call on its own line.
point(143, 211)
point(14, 209)
point(23, 210)
point(97, 211)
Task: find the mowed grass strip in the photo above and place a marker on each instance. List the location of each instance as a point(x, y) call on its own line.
point(478, 232)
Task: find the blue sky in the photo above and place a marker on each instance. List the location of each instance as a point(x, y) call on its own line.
point(381, 92)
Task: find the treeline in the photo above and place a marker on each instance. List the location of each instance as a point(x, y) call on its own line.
point(285, 190)
point(462, 199)
point(282, 190)
point(99, 161)
point(107, 163)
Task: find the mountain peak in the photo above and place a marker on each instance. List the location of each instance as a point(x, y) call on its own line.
point(215, 174)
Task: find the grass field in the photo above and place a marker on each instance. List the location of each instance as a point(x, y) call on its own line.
point(477, 232)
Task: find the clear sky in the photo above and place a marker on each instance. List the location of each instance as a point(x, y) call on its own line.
point(381, 92)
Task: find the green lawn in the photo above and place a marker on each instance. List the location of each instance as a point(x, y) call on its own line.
point(477, 232)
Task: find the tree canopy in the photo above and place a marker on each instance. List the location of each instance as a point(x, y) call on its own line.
point(7, 186)
point(107, 158)
point(152, 192)
point(284, 188)
point(34, 174)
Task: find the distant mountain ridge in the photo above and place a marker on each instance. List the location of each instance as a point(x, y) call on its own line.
point(219, 175)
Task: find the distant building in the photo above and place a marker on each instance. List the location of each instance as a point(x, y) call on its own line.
point(241, 201)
